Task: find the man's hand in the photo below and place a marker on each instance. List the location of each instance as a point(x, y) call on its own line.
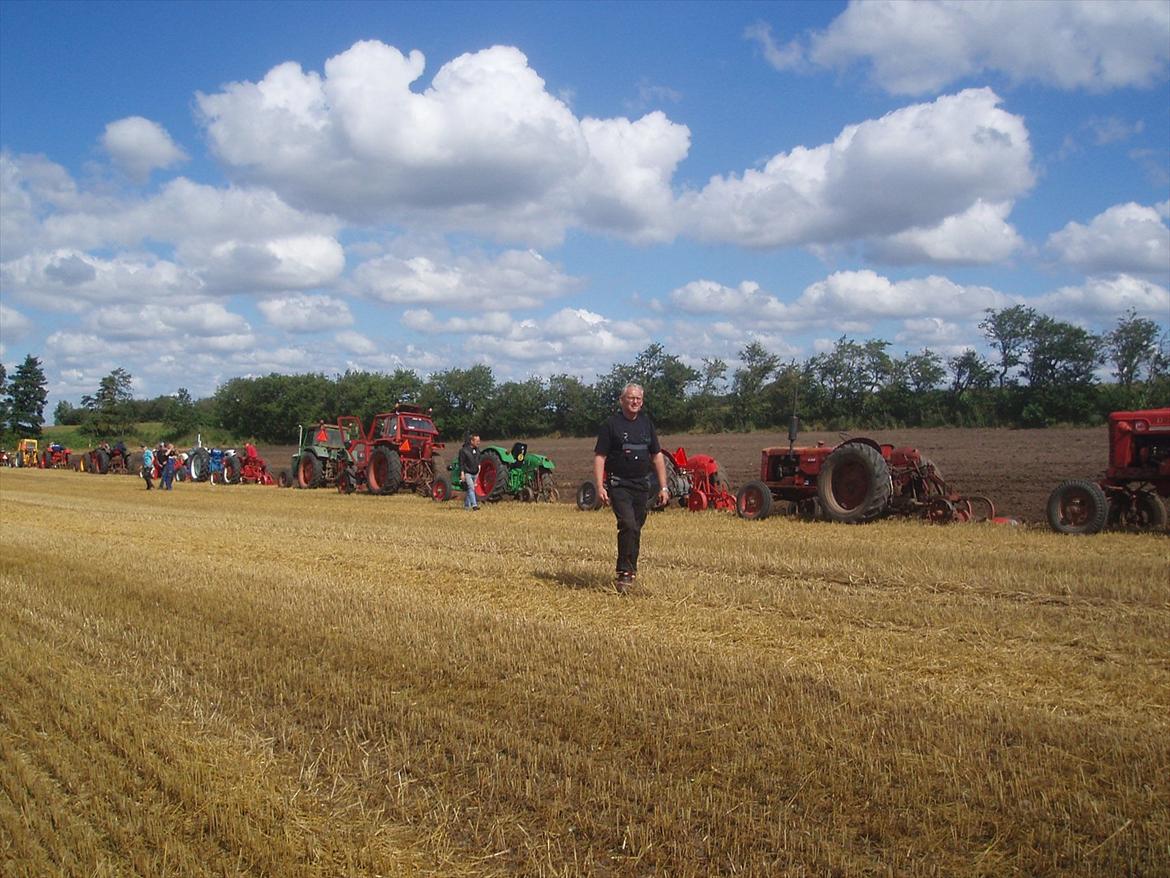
point(602, 494)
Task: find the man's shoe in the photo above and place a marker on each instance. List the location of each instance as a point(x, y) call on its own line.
point(623, 581)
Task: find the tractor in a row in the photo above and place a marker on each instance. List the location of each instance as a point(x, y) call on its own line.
point(1135, 481)
point(400, 450)
point(857, 481)
point(504, 472)
point(695, 482)
point(56, 456)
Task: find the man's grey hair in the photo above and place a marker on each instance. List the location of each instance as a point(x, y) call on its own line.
point(633, 385)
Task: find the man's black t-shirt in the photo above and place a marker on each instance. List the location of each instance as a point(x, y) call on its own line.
point(627, 445)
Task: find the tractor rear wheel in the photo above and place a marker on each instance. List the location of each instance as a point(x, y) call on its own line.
point(754, 501)
point(309, 471)
point(854, 484)
point(441, 488)
point(384, 472)
point(491, 482)
point(231, 470)
point(101, 461)
point(587, 499)
point(199, 464)
point(1077, 507)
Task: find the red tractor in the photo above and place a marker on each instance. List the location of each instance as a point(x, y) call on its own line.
point(56, 456)
point(248, 468)
point(108, 458)
point(1128, 495)
point(400, 450)
point(857, 481)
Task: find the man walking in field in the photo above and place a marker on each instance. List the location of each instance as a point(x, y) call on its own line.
point(469, 467)
point(625, 457)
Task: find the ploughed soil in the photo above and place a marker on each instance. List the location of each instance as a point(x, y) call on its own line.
point(1015, 469)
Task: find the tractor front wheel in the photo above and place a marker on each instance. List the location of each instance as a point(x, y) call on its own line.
point(1143, 510)
point(754, 501)
point(854, 484)
point(587, 499)
point(231, 470)
point(441, 488)
point(1077, 507)
point(384, 473)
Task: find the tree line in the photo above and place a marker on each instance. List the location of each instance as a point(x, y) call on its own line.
point(1041, 372)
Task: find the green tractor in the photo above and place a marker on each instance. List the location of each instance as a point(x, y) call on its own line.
point(321, 458)
point(503, 473)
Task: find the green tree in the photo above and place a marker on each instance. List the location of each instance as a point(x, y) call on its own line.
point(182, 418)
point(969, 373)
point(27, 395)
point(68, 414)
point(666, 380)
point(1008, 331)
point(519, 410)
point(4, 405)
point(747, 385)
point(709, 405)
point(1132, 347)
point(576, 408)
point(109, 411)
point(1060, 363)
point(459, 399)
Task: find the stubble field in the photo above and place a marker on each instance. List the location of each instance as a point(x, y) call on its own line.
point(249, 681)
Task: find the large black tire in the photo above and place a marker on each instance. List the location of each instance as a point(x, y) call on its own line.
point(754, 501)
point(854, 484)
point(309, 471)
point(587, 499)
point(199, 464)
point(284, 480)
point(101, 460)
point(231, 470)
point(346, 481)
point(491, 482)
point(384, 471)
point(1143, 510)
point(1152, 510)
point(1077, 507)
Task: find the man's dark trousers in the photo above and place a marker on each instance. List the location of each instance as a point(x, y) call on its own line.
point(629, 506)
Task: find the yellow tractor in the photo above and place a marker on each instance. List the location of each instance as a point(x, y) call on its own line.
point(26, 453)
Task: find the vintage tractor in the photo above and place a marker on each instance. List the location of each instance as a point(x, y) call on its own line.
point(504, 473)
point(399, 451)
point(678, 482)
point(321, 457)
point(228, 467)
point(56, 456)
point(25, 454)
point(107, 458)
point(857, 481)
point(1128, 495)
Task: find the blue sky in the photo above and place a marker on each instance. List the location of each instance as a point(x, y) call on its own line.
point(199, 191)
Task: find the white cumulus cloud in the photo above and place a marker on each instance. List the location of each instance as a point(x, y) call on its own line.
point(921, 46)
point(909, 170)
point(1125, 238)
point(513, 279)
point(484, 147)
point(139, 146)
point(303, 313)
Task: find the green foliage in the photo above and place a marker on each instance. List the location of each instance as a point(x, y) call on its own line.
point(109, 413)
point(26, 397)
point(181, 416)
